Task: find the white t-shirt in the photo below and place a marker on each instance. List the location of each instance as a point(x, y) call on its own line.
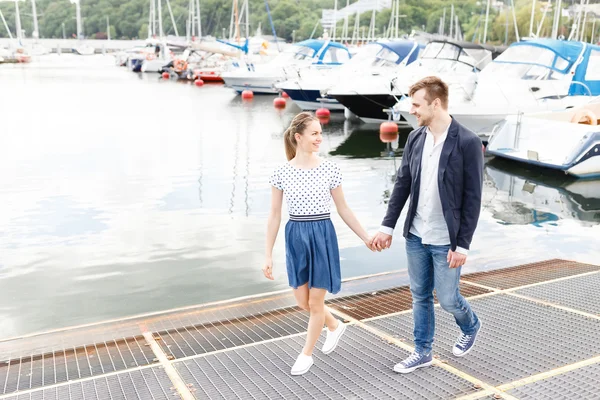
point(307, 191)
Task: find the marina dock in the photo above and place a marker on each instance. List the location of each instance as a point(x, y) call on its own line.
point(540, 340)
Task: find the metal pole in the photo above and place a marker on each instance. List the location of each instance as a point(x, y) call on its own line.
point(6, 25)
point(531, 20)
point(487, 16)
point(512, 3)
point(172, 18)
point(18, 21)
point(36, 28)
point(160, 26)
point(199, 19)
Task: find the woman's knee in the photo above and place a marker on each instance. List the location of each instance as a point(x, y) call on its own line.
point(316, 306)
point(304, 305)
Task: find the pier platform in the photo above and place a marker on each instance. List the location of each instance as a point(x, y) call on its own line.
point(540, 339)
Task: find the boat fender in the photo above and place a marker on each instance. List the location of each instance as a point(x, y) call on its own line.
point(585, 117)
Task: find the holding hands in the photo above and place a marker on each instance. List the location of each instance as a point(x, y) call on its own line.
point(380, 241)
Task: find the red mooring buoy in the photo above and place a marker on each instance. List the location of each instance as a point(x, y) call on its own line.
point(166, 75)
point(323, 113)
point(247, 94)
point(199, 82)
point(279, 102)
point(285, 95)
point(388, 127)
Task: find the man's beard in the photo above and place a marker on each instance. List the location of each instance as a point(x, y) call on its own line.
point(424, 121)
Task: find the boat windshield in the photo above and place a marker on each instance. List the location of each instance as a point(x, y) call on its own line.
point(373, 55)
point(477, 58)
point(439, 66)
point(528, 63)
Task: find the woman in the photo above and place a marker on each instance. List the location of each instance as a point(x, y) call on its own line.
point(312, 255)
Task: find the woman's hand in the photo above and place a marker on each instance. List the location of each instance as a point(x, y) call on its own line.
point(369, 243)
point(268, 268)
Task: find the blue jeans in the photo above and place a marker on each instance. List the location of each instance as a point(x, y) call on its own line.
point(428, 268)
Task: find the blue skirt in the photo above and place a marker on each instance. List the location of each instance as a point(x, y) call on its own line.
point(312, 254)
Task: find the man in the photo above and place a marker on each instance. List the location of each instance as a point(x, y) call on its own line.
point(442, 172)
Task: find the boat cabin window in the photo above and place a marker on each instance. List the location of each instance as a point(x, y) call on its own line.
point(446, 51)
point(335, 55)
point(528, 63)
point(592, 72)
point(385, 58)
point(366, 55)
point(302, 53)
point(525, 54)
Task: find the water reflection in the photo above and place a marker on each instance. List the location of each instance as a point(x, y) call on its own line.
point(534, 196)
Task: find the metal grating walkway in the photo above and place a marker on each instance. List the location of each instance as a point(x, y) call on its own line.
point(361, 368)
point(528, 274)
point(188, 341)
point(146, 384)
point(583, 383)
point(518, 338)
point(30, 372)
point(540, 339)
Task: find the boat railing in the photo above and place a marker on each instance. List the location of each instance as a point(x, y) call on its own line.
point(582, 84)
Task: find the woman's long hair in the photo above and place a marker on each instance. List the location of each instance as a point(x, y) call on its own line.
point(298, 125)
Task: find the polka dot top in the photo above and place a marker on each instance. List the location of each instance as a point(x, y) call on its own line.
point(307, 191)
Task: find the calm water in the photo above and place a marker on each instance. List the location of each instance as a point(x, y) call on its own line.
point(123, 194)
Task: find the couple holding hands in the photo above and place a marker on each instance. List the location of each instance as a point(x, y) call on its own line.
point(442, 174)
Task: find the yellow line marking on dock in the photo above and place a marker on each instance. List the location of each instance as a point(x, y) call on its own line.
point(564, 278)
point(477, 395)
point(510, 292)
point(402, 345)
point(555, 305)
point(479, 285)
point(178, 383)
point(549, 374)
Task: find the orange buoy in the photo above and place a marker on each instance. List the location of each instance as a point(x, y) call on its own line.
point(388, 137)
point(247, 94)
point(322, 113)
point(279, 102)
point(199, 82)
point(285, 95)
point(388, 127)
point(166, 75)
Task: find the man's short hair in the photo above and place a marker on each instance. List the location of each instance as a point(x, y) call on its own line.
point(435, 88)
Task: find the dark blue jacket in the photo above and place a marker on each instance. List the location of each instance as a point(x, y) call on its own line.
point(460, 180)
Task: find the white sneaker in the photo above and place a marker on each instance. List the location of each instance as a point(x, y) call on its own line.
point(333, 338)
point(302, 364)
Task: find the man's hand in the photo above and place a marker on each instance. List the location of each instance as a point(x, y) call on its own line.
point(456, 259)
point(381, 241)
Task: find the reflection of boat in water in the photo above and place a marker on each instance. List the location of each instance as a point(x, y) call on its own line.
point(365, 142)
point(531, 196)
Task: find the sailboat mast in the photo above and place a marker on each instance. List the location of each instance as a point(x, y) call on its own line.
point(78, 14)
point(36, 29)
point(18, 21)
point(160, 26)
point(532, 17)
point(487, 17)
point(8, 30)
point(199, 19)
